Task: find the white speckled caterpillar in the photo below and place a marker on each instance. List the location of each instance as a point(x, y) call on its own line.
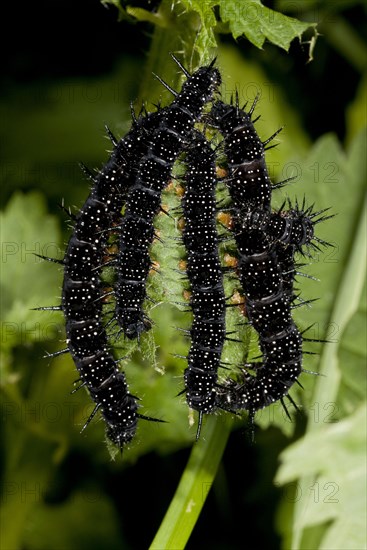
point(205, 275)
point(82, 291)
point(144, 199)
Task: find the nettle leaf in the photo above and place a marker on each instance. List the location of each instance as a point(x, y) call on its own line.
point(166, 250)
point(259, 23)
point(192, 24)
point(334, 460)
point(205, 24)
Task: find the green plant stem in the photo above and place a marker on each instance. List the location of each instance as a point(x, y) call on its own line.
point(194, 486)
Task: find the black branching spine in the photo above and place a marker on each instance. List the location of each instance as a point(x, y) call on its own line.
point(144, 198)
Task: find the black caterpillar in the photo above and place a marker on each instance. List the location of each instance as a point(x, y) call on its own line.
point(248, 180)
point(206, 279)
point(295, 227)
point(266, 271)
point(82, 293)
point(144, 199)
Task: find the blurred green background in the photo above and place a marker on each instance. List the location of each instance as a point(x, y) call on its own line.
point(71, 68)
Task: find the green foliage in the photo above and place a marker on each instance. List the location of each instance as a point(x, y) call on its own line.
point(27, 229)
point(259, 23)
point(249, 18)
point(332, 462)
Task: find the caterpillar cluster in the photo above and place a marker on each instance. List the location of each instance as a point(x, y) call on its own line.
point(132, 181)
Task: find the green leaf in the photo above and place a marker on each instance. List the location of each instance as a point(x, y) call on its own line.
point(205, 40)
point(259, 23)
point(27, 280)
point(337, 478)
